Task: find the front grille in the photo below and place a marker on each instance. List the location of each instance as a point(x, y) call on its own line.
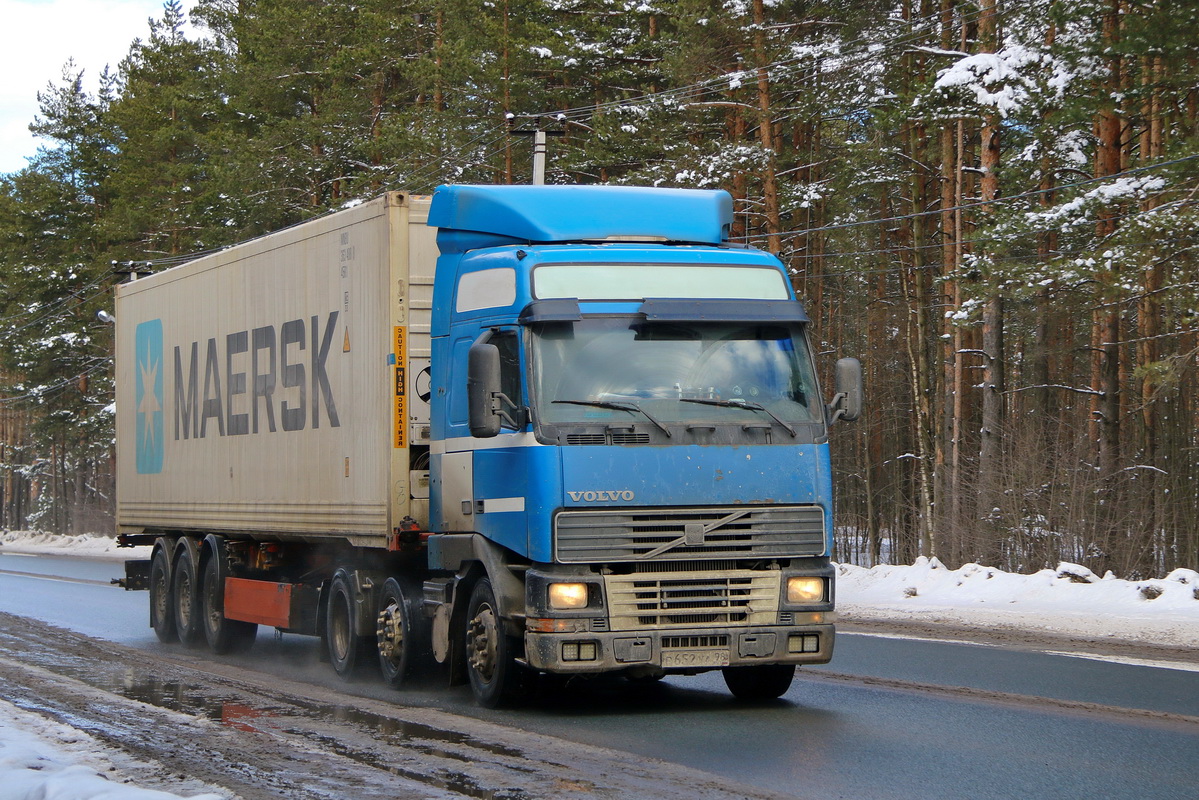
point(742, 597)
point(647, 534)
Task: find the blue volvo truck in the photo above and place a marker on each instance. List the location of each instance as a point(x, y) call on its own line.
point(514, 430)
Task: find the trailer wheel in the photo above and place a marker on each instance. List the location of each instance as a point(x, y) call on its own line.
point(347, 650)
point(223, 635)
point(758, 683)
point(162, 611)
point(186, 588)
point(495, 676)
point(402, 632)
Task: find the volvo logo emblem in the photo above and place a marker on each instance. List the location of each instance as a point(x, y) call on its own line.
point(600, 497)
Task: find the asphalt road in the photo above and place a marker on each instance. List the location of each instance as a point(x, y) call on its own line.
point(888, 718)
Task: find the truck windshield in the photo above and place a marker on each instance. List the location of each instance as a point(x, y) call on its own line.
point(617, 369)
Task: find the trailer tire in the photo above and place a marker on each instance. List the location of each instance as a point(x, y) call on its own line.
point(402, 632)
point(223, 635)
point(162, 598)
point(185, 585)
point(495, 676)
point(347, 650)
point(759, 683)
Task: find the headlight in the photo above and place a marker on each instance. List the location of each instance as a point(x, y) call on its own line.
point(805, 590)
point(568, 595)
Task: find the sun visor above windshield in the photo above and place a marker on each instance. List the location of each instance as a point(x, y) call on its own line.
point(563, 309)
point(478, 216)
point(706, 310)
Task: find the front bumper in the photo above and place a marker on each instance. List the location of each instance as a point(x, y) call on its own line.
point(680, 651)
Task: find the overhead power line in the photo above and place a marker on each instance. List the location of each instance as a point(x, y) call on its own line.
point(975, 203)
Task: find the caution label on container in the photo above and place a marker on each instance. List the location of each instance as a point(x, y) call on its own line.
point(401, 387)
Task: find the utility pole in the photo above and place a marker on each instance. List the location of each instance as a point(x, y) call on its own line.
point(539, 153)
point(540, 146)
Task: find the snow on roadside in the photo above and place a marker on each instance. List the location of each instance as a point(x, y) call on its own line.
point(86, 544)
point(1069, 600)
point(45, 760)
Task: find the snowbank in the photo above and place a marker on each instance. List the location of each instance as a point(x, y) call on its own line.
point(44, 760)
point(87, 544)
point(1068, 600)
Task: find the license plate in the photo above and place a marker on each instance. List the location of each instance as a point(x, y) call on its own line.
point(695, 658)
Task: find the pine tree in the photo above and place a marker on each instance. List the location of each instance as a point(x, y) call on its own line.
point(54, 362)
point(167, 117)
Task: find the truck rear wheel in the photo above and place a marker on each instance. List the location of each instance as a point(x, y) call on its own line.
point(761, 682)
point(495, 677)
point(186, 589)
point(402, 632)
point(347, 650)
point(162, 606)
point(223, 635)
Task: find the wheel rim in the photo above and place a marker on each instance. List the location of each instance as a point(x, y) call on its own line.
point(390, 632)
point(482, 642)
point(161, 595)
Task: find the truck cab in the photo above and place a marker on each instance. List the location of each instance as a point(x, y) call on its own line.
point(629, 462)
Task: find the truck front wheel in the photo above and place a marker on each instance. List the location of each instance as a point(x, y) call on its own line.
point(490, 653)
point(758, 683)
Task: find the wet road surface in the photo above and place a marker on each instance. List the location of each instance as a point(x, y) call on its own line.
point(889, 718)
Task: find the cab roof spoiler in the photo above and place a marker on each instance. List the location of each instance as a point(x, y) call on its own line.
point(470, 217)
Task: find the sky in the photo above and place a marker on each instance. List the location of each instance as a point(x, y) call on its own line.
point(38, 38)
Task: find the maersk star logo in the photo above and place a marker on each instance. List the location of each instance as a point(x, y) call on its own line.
point(148, 346)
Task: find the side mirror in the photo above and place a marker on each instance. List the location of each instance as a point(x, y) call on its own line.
point(482, 384)
point(847, 402)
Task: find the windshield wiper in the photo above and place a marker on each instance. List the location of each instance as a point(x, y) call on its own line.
point(741, 404)
point(619, 407)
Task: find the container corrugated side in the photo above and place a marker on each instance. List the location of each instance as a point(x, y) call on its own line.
point(256, 386)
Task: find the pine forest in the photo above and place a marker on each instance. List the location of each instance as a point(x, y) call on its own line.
point(995, 205)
